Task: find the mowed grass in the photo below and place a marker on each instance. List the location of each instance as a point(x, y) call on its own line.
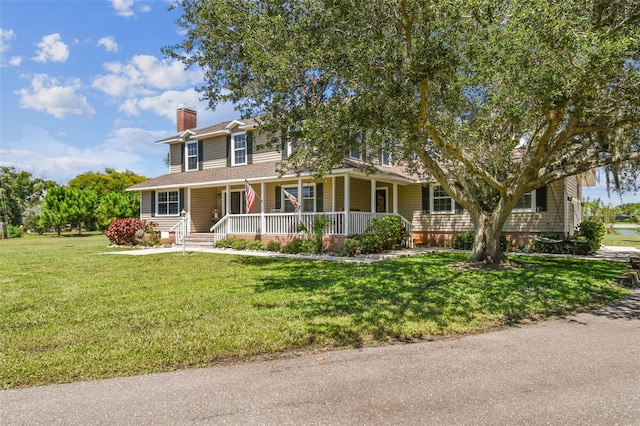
point(70, 312)
point(616, 239)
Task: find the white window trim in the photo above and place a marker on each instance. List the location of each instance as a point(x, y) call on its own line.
point(386, 197)
point(187, 156)
point(432, 199)
point(233, 149)
point(300, 198)
point(243, 201)
point(382, 162)
point(531, 209)
point(157, 206)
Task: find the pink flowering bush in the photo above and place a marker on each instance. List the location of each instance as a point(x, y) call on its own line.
point(131, 232)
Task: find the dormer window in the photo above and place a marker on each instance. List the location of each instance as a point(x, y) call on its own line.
point(239, 149)
point(191, 156)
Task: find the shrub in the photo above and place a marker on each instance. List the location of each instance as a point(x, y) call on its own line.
point(255, 245)
point(14, 231)
point(593, 232)
point(387, 230)
point(130, 231)
point(239, 244)
point(351, 247)
point(294, 247)
point(465, 240)
point(33, 224)
point(273, 246)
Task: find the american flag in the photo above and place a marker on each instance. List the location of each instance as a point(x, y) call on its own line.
point(293, 199)
point(250, 195)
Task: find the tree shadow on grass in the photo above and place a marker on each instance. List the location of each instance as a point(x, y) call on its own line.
point(422, 297)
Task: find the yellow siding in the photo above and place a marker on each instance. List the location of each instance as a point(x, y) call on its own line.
point(552, 220)
point(360, 192)
point(202, 205)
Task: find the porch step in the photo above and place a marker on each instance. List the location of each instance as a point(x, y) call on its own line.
point(201, 239)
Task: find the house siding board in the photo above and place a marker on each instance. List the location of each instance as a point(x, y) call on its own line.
point(175, 158)
point(214, 153)
point(264, 154)
point(202, 204)
point(360, 195)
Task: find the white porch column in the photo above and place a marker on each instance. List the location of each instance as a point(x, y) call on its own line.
point(263, 219)
point(373, 195)
point(300, 201)
point(227, 206)
point(347, 204)
point(189, 210)
point(333, 194)
point(395, 198)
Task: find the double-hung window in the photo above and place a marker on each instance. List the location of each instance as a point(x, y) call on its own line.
point(239, 149)
point(385, 158)
point(191, 156)
point(442, 202)
point(527, 203)
point(307, 201)
point(168, 203)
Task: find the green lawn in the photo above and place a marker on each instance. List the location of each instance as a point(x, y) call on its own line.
point(616, 239)
point(69, 312)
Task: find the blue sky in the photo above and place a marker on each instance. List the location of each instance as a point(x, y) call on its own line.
point(84, 86)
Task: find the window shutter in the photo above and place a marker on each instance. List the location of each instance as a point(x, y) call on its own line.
point(283, 145)
point(425, 198)
point(153, 203)
point(182, 148)
point(228, 150)
point(541, 199)
point(278, 198)
point(319, 197)
point(459, 208)
point(250, 147)
point(200, 155)
point(181, 201)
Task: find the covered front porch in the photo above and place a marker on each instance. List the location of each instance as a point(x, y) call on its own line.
point(346, 203)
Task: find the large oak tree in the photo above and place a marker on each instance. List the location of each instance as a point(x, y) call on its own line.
point(492, 99)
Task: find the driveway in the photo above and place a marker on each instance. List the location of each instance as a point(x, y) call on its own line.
point(581, 370)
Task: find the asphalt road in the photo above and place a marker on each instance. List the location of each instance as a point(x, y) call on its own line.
point(583, 370)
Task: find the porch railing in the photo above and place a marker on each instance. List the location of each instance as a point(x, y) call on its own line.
point(289, 223)
point(181, 229)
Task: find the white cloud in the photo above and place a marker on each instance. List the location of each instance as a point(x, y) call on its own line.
point(123, 7)
point(51, 48)
point(5, 36)
point(59, 100)
point(144, 8)
point(48, 157)
point(109, 44)
point(15, 61)
point(144, 73)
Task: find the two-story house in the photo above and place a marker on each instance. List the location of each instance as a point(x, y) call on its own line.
point(211, 168)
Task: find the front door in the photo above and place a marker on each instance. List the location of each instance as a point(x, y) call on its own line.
point(381, 200)
point(237, 202)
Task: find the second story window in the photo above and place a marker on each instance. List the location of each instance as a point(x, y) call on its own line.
point(239, 149)
point(191, 156)
point(385, 158)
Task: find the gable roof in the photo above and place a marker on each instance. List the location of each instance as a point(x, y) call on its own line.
point(224, 128)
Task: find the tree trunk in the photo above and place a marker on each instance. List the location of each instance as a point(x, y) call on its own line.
point(486, 247)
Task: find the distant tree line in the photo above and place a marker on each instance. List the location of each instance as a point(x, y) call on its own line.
point(91, 200)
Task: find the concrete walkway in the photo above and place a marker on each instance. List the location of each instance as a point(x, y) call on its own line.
point(616, 253)
point(582, 370)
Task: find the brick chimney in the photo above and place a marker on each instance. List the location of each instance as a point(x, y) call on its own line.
point(186, 118)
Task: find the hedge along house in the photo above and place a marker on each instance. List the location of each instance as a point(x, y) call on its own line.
point(211, 169)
